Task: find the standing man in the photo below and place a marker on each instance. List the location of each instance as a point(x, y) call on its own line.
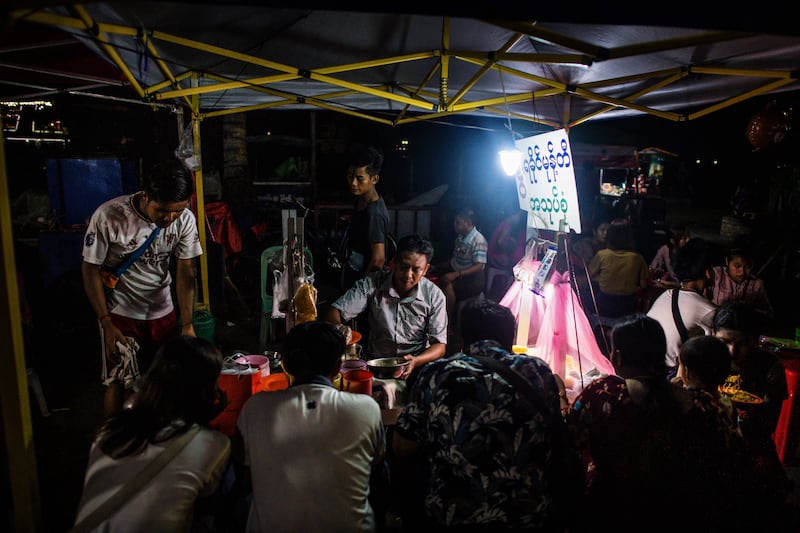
point(406, 310)
point(141, 306)
point(463, 275)
point(369, 225)
point(309, 450)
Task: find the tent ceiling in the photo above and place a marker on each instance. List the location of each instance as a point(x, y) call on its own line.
point(395, 67)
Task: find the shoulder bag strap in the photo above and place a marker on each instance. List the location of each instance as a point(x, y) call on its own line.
point(129, 259)
point(676, 315)
point(521, 384)
point(112, 504)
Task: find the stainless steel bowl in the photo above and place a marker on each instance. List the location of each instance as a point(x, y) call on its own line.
point(387, 367)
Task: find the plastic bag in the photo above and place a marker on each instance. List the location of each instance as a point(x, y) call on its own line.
point(280, 293)
point(185, 150)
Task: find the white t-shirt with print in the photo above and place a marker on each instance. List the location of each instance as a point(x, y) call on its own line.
point(117, 229)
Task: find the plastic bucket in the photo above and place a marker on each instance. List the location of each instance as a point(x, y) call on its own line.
point(204, 325)
point(260, 363)
point(353, 364)
point(273, 382)
point(358, 381)
point(238, 387)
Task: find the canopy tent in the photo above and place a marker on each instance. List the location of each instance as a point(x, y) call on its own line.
point(393, 68)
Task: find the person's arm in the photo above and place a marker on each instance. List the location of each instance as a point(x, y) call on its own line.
point(659, 262)
point(760, 300)
point(333, 316)
point(433, 352)
point(95, 292)
point(184, 290)
point(377, 257)
point(454, 275)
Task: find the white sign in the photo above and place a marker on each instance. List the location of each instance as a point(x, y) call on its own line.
point(546, 182)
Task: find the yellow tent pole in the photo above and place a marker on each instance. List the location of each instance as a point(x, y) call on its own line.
point(14, 399)
point(201, 205)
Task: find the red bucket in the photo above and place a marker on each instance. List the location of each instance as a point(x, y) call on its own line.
point(238, 387)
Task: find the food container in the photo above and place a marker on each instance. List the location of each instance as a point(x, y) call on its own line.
point(387, 367)
point(353, 364)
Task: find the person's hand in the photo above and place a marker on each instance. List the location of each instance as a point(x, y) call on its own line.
point(450, 277)
point(409, 368)
point(188, 330)
point(112, 335)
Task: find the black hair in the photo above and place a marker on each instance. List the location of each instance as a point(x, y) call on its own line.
point(313, 348)
point(693, 260)
point(739, 250)
point(619, 235)
point(168, 181)
point(466, 214)
point(365, 156)
point(179, 389)
point(738, 316)
point(639, 343)
point(708, 358)
point(483, 319)
point(416, 244)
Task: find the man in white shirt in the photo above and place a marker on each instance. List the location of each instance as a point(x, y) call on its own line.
point(141, 306)
point(693, 267)
point(310, 449)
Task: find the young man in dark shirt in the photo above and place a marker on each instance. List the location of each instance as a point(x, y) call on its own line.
point(369, 224)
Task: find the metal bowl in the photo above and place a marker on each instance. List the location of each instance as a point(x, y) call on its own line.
point(387, 367)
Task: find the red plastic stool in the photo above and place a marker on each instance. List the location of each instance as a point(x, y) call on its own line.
point(787, 432)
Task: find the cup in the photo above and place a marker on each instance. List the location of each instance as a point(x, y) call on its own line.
point(357, 381)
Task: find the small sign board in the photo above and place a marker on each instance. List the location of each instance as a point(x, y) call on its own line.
point(546, 182)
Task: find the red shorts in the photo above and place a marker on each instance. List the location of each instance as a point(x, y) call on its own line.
point(148, 333)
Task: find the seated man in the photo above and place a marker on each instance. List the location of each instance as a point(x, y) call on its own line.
point(487, 447)
point(309, 450)
point(463, 277)
point(406, 311)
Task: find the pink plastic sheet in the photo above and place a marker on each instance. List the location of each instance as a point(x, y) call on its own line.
point(559, 328)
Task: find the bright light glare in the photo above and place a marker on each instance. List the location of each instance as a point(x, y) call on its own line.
point(510, 161)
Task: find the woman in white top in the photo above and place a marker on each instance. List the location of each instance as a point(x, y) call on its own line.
point(178, 391)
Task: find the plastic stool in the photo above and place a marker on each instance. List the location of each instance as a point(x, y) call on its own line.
point(787, 432)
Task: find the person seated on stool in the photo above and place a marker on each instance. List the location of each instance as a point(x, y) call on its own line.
point(462, 276)
point(406, 310)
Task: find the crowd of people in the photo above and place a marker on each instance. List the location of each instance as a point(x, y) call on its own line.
point(487, 439)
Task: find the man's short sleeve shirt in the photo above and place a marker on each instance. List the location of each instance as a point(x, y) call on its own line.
point(398, 326)
point(469, 250)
